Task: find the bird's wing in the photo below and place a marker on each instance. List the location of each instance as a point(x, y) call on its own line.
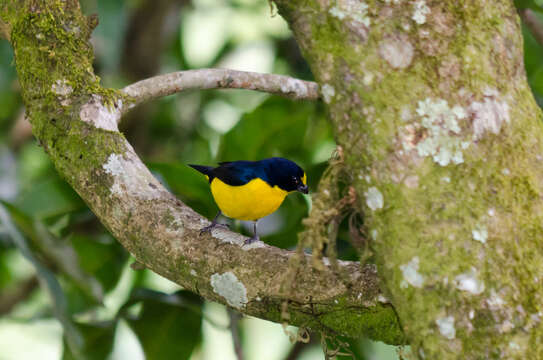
point(236, 173)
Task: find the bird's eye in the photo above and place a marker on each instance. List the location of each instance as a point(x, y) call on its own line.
point(295, 179)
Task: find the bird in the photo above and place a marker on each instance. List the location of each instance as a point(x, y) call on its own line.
point(250, 190)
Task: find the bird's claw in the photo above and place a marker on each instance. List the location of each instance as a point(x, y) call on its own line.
point(251, 240)
point(212, 226)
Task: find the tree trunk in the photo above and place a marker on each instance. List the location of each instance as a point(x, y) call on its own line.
point(443, 140)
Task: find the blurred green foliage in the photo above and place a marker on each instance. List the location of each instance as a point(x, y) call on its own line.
point(78, 262)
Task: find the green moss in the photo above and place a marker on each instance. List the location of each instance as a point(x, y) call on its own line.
point(379, 323)
point(51, 47)
point(435, 218)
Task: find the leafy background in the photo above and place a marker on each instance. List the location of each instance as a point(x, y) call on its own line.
point(66, 288)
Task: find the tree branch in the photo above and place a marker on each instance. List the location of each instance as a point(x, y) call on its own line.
point(533, 23)
point(172, 83)
point(77, 126)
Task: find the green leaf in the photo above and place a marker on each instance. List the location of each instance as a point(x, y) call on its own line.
point(57, 251)
point(536, 5)
point(278, 127)
point(100, 255)
point(98, 341)
point(49, 198)
point(169, 326)
point(48, 282)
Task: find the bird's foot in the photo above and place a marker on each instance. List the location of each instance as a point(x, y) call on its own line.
point(251, 240)
point(213, 226)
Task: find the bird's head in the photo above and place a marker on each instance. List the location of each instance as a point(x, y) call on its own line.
point(287, 175)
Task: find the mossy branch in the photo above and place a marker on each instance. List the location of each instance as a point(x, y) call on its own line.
point(75, 120)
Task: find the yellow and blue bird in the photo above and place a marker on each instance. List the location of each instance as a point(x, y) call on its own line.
point(250, 190)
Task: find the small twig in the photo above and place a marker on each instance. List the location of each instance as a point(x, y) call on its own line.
point(234, 329)
point(532, 22)
point(168, 84)
point(21, 293)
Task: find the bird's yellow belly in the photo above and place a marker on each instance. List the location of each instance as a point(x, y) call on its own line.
point(251, 201)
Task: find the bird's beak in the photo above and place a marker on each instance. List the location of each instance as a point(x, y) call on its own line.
point(303, 188)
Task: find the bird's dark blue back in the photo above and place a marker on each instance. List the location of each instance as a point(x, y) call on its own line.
point(275, 171)
point(238, 172)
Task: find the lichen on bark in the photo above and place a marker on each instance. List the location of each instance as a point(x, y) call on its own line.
point(451, 137)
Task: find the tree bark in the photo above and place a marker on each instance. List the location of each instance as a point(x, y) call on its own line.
point(443, 139)
point(75, 120)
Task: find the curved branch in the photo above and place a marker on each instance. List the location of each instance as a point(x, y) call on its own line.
point(77, 126)
point(168, 84)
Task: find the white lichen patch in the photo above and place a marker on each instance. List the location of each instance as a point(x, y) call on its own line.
point(469, 282)
point(382, 299)
point(489, 115)
point(374, 198)
point(230, 288)
point(62, 88)
point(294, 86)
point(367, 79)
point(336, 12)
point(131, 177)
point(420, 10)
point(253, 245)
point(480, 233)
point(354, 9)
point(99, 115)
point(411, 273)
point(442, 139)
point(397, 51)
point(446, 327)
point(226, 236)
point(495, 301)
point(328, 92)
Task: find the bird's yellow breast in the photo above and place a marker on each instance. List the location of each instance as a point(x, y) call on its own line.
point(251, 201)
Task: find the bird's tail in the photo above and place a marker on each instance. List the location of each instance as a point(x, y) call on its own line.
point(206, 170)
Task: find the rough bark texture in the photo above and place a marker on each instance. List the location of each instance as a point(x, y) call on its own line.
point(75, 120)
point(444, 140)
point(200, 79)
